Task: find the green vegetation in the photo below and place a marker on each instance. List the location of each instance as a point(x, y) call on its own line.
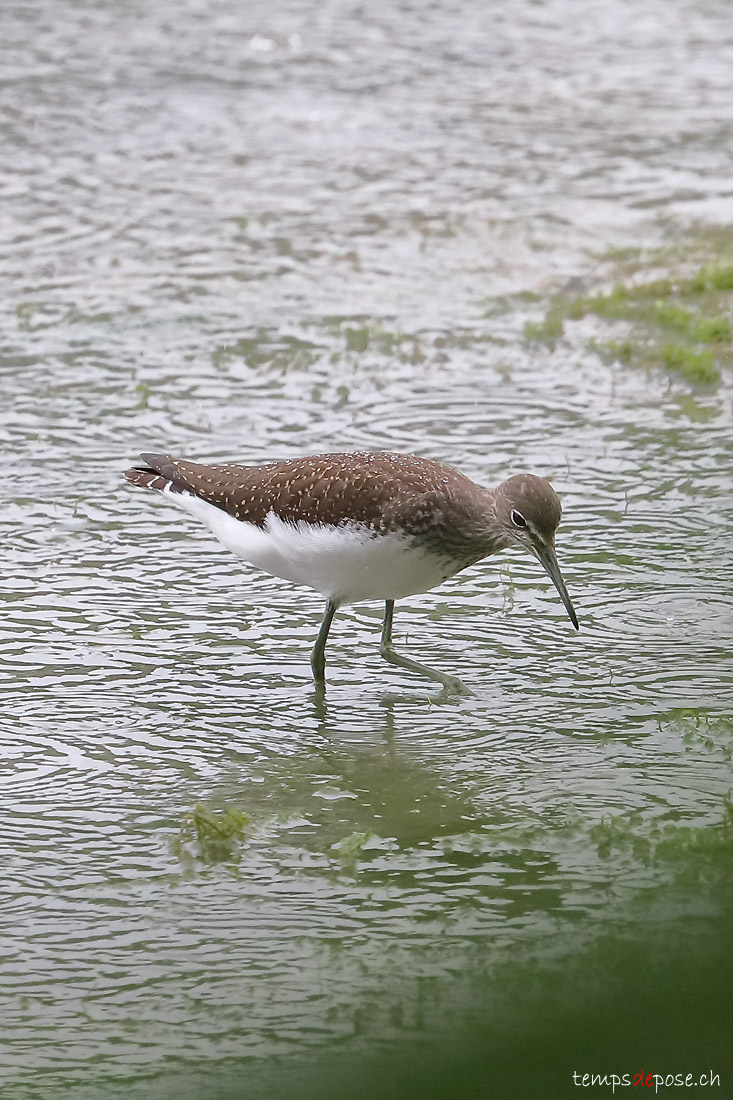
point(680, 323)
point(695, 366)
point(712, 330)
point(211, 836)
point(549, 330)
point(352, 848)
point(352, 336)
point(372, 335)
point(668, 842)
point(263, 349)
point(715, 735)
point(666, 839)
point(143, 389)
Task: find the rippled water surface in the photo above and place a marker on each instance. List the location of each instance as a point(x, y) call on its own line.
point(248, 231)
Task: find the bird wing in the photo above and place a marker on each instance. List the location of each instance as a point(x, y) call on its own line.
point(372, 489)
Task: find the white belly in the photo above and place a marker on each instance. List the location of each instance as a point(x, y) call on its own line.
point(345, 564)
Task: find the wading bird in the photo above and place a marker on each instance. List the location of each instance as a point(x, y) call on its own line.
point(362, 526)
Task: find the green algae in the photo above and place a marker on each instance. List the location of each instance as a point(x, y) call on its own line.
point(667, 838)
point(711, 330)
point(210, 836)
point(680, 323)
point(357, 339)
point(671, 316)
point(352, 847)
point(695, 366)
point(616, 351)
point(264, 349)
point(374, 337)
point(668, 841)
point(548, 330)
point(144, 390)
point(718, 277)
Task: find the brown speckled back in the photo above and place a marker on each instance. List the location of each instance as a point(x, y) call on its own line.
point(382, 491)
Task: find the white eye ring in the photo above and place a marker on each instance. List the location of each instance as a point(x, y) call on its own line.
point(517, 518)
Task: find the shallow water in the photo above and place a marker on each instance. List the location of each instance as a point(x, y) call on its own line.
point(247, 234)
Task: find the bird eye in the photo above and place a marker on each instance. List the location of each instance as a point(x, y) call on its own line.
point(518, 519)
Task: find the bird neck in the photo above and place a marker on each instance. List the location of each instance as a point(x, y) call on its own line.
point(483, 529)
point(463, 527)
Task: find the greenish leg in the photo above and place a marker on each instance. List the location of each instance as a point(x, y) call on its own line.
point(451, 684)
point(318, 656)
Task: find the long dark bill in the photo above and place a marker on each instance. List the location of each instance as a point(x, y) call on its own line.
point(548, 559)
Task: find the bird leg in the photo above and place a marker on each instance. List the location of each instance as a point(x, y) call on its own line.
point(318, 656)
point(451, 684)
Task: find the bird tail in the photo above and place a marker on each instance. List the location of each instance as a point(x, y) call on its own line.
point(158, 474)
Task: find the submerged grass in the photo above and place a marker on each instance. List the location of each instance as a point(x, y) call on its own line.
point(679, 323)
point(695, 366)
point(671, 843)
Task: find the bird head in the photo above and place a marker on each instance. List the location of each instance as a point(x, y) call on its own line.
point(529, 511)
